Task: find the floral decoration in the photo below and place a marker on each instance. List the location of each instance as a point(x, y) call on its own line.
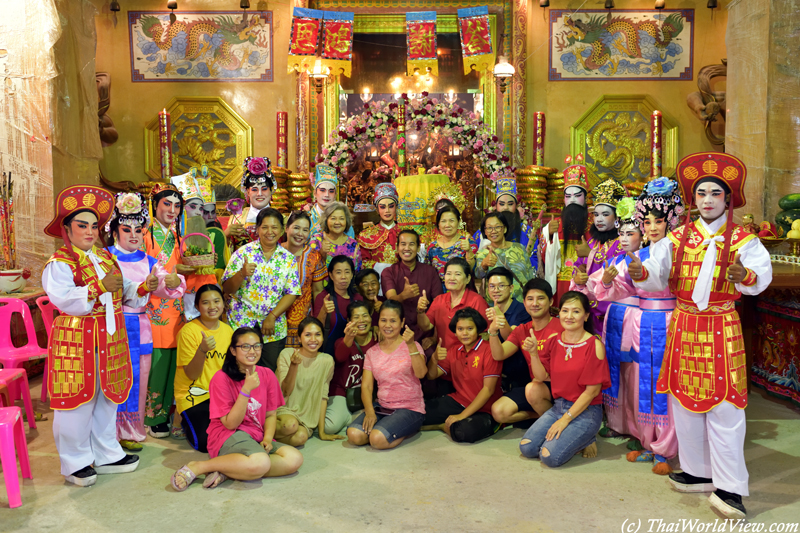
point(626, 208)
point(235, 206)
point(257, 165)
point(129, 203)
point(463, 127)
point(660, 195)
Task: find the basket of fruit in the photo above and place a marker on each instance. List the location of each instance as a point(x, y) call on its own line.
point(199, 256)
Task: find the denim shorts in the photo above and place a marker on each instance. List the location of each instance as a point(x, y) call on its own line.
point(397, 425)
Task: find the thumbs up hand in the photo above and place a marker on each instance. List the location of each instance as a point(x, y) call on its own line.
point(530, 344)
point(330, 307)
point(464, 244)
point(423, 303)
point(208, 344)
point(410, 290)
point(151, 281)
point(171, 280)
point(441, 351)
point(609, 274)
point(737, 271)
point(248, 268)
point(552, 226)
point(112, 282)
point(408, 336)
point(580, 277)
point(635, 269)
point(583, 249)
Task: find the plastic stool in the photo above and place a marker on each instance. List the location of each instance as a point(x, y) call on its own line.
point(12, 435)
point(16, 379)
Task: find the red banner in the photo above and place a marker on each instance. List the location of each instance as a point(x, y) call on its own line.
point(283, 138)
point(421, 40)
point(306, 28)
point(338, 41)
point(475, 36)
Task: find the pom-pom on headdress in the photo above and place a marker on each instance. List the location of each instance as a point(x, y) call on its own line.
point(257, 171)
point(385, 190)
point(130, 209)
point(660, 194)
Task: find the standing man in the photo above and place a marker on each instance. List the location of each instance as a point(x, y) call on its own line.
point(88, 357)
point(559, 240)
point(708, 264)
point(258, 183)
point(379, 243)
point(405, 281)
point(325, 184)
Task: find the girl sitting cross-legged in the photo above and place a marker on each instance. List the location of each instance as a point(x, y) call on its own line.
point(244, 401)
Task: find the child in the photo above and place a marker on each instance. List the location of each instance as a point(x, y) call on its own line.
point(244, 401)
point(202, 344)
point(305, 376)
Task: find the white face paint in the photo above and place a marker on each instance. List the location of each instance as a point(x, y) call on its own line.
point(630, 238)
point(574, 195)
point(193, 208)
point(604, 217)
point(710, 199)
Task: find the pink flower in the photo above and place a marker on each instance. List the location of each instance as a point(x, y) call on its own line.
point(458, 129)
point(479, 145)
point(257, 166)
point(129, 203)
point(325, 151)
point(235, 206)
point(428, 107)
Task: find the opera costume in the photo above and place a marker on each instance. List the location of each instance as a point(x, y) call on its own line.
point(557, 252)
point(257, 172)
point(520, 232)
point(635, 333)
point(90, 367)
point(379, 242)
point(323, 174)
point(197, 190)
point(604, 245)
point(704, 367)
point(131, 210)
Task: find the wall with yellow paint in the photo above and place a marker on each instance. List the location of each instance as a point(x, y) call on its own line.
point(564, 102)
point(133, 105)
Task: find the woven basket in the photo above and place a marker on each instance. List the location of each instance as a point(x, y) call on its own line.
point(206, 260)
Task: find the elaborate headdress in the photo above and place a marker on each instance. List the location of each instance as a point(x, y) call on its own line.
point(79, 198)
point(257, 171)
point(325, 173)
point(157, 189)
point(661, 194)
point(385, 190)
point(608, 193)
point(130, 208)
point(575, 175)
point(506, 186)
point(192, 187)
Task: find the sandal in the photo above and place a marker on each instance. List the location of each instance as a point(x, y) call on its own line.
point(177, 433)
point(184, 476)
point(131, 445)
point(214, 480)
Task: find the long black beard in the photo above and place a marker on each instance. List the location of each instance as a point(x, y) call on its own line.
point(514, 225)
point(573, 220)
point(603, 236)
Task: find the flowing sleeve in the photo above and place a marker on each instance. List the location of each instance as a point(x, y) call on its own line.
point(130, 294)
point(162, 291)
point(658, 266)
point(60, 287)
point(756, 258)
point(621, 287)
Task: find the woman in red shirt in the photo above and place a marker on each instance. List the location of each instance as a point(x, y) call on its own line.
point(576, 365)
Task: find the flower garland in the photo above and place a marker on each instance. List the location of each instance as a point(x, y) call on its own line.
point(463, 127)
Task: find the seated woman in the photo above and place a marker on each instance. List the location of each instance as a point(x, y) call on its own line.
point(450, 241)
point(305, 377)
point(503, 252)
point(344, 397)
point(330, 306)
point(333, 240)
point(576, 365)
point(397, 363)
point(368, 285)
point(466, 414)
point(202, 345)
point(244, 402)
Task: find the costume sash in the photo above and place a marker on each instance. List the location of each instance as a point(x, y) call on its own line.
point(615, 356)
point(652, 344)
point(166, 243)
point(131, 405)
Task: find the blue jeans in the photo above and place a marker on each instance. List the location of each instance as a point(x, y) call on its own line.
point(401, 423)
point(579, 434)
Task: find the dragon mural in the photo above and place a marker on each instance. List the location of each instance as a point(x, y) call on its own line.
point(619, 144)
point(614, 45)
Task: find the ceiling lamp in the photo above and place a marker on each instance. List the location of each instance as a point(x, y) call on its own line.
point(544, 3)
point(609, 4)
point(172, 5)
point(503, 70)
point(660, 4)
point(319, 74)
point(114, 7)
point(712, 4)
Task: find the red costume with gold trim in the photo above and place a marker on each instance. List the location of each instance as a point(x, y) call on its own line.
point(378, 245)
point(75, 339)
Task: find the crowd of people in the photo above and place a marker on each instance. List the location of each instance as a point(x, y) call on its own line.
point(281, 327)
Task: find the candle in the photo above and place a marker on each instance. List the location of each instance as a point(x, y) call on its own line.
point(539, 140)
point(401, 135)
point(655, 155)
point(283, 138)
point(165, 144)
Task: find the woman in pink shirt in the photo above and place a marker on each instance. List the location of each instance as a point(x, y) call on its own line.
point(397, 363)
point(244, 401)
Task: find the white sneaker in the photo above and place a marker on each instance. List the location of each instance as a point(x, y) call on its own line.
point(126, 464)
point(84, 477)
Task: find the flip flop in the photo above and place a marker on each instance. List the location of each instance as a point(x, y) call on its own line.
point(185, 476)
point(214, 480)
point(131, 445)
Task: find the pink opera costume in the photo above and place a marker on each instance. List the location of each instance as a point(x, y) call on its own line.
point(636, 337)
point(126, 229)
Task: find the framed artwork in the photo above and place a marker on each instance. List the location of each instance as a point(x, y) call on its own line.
point(615, 138)
point(205, 131)
point(201, 46)
point(621, 44)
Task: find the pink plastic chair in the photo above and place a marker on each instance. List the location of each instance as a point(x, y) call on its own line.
point(12, 444)
point(48, 316)
point(16, 380)
point(11, 356)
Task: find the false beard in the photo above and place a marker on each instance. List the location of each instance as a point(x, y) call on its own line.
point(573, 220)
point(514, 225)
point(603, 236)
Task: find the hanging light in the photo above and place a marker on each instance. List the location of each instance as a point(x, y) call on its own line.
point(114, 7)
point(712, 4)
point(172, 5)
point(609, 4)
point(660, 4)
point(544, 3)
point(319, 74)
point(451, 97)
point(366, 96)
point(244, 4)
point(503, 70)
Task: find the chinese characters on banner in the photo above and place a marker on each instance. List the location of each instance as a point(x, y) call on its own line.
point(421, 43)
point(337, 41)
point(282, 138)
point(306, 29)
point(476, 38)
point(333, 29)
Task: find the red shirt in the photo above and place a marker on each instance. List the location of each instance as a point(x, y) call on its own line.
point(440, 313)
point(393, 278)
point(573, 367)
point(468, 369)
point(522, 332)
point(349, 366)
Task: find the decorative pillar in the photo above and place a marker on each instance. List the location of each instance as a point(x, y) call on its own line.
point(519, 111)
point(538, 139)
point(655, 145)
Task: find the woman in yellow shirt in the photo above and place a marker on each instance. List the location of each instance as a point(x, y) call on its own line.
point(202, 344)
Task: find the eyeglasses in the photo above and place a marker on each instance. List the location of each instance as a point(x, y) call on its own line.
point(498, 287)
point(495, 229)
point(250, 347)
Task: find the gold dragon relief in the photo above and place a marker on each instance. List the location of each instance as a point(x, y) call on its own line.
point(204, 139)
point(618, 146)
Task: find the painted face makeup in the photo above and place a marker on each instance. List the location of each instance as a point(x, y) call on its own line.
point(630, 238)
point(574, 195)
point(325, 194)
point(655, 228)
point(710, 199)
point(83, 231)
point(193, 208)
point(604, 217)
point(506, 203)
point(387, 210)
point(259, 196)
point(209, 213)
point(168, 210)
point(129, 238)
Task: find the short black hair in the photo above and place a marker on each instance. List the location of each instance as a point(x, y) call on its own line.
point(468, 313)
point(501, 271)
point(395, 306)
point(447, 209)
point(362, 274)
point(355, 304)
point(499, 215)
point(408, 232)
point(584, 300)
point(298, 215)
point(269, 212)
point(208, 287)
point(537, 284)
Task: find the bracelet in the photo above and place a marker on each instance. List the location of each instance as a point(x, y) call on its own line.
point(243, 394)
point(497, 334)
point(413, 353)
point(570, 415)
